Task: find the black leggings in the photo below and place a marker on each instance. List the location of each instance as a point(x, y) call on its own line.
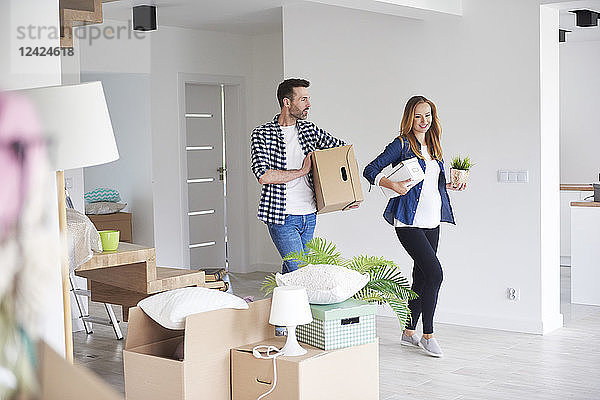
point(421, 244)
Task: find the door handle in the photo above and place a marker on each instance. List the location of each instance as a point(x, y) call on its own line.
point(221, 171)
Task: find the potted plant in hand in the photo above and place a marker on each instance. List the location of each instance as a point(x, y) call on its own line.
point(459, 170)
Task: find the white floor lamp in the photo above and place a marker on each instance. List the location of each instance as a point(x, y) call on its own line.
point(75, 118)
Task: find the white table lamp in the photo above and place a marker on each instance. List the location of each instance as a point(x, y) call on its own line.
point(75, 118)
point(289, 307)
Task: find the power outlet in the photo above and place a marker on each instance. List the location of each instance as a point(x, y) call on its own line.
point(513, 294)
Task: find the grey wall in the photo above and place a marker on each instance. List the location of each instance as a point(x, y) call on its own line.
point(128, 99)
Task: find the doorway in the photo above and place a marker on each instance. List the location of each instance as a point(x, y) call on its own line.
point(214, 165)
point(206, 175)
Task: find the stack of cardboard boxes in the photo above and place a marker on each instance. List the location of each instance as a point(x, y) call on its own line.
point(342, 359)
point(218, 363)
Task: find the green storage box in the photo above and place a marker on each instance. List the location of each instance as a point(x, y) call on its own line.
point(339, 325)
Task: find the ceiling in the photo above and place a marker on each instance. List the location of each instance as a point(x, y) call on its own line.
point(246, 17)
point(256, 17)
point(567, 20)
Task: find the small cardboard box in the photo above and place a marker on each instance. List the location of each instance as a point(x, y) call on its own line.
point(334, 326)
point(152, 374)
point(407, 169)
point(351, 373)
point(336, 179)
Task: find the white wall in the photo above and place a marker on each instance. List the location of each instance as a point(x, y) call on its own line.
point(165, 55)
point(579, 103)
point(17, 72)
point(121, 60)
point(484, 79)
point(267, 73)
point(70, 75)
point(128, 100)
point(550, 170)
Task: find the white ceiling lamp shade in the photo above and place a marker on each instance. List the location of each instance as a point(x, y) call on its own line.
point(76, 120)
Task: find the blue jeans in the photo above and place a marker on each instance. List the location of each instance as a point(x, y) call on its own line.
point(292, 236)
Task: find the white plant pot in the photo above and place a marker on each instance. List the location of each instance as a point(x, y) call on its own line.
point(458, 176)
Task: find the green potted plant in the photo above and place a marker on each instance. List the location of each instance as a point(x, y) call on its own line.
point(386, 283)
point(459, 170)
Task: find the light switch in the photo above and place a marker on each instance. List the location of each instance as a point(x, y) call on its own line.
point(523, 176)
point(506, 176)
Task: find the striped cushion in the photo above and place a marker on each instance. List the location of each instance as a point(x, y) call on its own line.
point(102, 194)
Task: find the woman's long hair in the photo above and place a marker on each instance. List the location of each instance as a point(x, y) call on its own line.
point(432, 136)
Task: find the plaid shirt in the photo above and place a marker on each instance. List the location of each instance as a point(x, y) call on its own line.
point(268, 152)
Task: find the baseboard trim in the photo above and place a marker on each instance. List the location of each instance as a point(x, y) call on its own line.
point(534, 326)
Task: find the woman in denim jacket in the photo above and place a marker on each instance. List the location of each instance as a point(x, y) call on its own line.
point(417, 210)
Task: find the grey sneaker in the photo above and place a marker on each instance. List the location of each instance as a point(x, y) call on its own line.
point(409, 340)
point(431, 347)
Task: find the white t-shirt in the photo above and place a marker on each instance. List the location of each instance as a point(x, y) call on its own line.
point(299, 198)
point(429, 208)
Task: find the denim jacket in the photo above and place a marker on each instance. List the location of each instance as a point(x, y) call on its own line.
point(403, 208)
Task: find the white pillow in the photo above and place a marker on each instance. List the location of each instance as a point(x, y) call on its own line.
point(170, 308)
point(103, 207)
point(325, 284)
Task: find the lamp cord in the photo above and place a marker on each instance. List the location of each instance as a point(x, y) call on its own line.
point(256, 353)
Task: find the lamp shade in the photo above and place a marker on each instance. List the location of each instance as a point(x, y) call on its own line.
point(290, 307)
point(76, 120)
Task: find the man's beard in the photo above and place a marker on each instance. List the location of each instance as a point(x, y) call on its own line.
point(299, 114)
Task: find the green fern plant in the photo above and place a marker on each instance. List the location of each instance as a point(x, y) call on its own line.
point(464, 164)
point(386, 283)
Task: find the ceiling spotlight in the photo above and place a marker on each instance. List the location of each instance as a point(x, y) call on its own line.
point(144, 18)
point(562, 36)
point(586, 18)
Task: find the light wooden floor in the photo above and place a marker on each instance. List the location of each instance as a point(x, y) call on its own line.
point(478, 363)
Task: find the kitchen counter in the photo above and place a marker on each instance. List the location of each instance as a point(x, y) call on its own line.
point(585, 204)
point(585, 252)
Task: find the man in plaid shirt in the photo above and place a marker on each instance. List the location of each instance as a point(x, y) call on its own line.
point(281, 161)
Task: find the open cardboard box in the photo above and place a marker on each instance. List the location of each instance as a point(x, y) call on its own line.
point(351, 373)
point(61, 380)
point(152, 374)
point(336, 179)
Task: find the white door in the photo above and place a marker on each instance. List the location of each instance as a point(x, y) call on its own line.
point(205, 175)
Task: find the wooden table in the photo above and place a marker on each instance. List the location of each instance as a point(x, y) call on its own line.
point(130, 274)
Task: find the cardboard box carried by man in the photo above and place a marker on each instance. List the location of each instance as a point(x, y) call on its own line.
point(336, 179)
